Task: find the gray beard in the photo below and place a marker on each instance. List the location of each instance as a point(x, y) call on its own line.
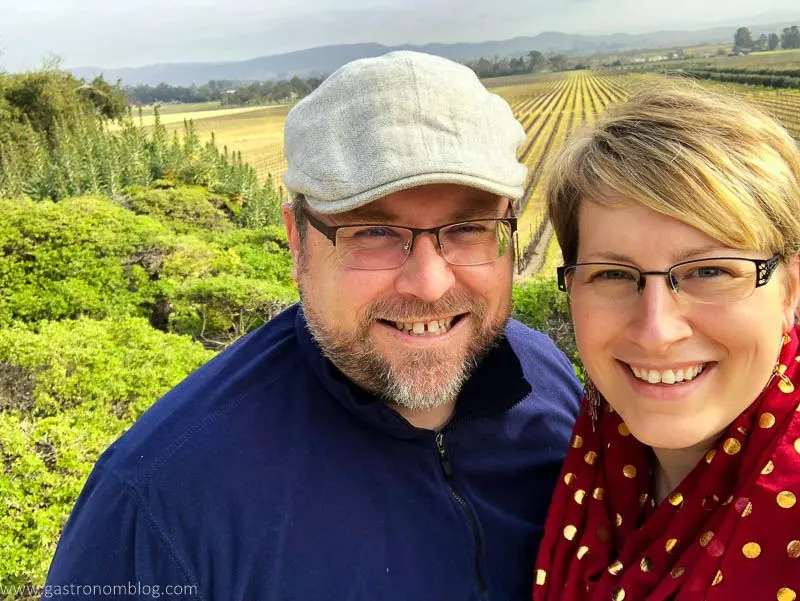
point(420, 380)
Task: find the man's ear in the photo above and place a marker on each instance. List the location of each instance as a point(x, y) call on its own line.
point(292, 237)
point(792, 293)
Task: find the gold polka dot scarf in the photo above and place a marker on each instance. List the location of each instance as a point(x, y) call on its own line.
point(731, 530)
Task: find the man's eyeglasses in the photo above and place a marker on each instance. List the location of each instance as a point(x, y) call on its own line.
point(717, 280)
point(375, 246)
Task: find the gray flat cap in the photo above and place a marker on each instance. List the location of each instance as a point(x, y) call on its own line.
point(404, 119)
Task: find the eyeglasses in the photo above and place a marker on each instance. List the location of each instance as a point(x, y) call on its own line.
point(375, 246)
point(717, 280)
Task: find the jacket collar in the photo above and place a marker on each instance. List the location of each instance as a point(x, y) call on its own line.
point(496, 384)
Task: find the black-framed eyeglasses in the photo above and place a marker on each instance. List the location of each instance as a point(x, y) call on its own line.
point(379, 246)
point(714, 280)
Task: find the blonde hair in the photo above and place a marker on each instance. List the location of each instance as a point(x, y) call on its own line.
point(708, 160)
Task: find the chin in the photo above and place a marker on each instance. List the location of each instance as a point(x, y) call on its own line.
point(662, 432)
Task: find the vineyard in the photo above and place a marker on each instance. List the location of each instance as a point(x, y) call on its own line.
point(549, 107)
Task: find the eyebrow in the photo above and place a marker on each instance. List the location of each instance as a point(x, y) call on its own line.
point(369, 214)
point(684, 255)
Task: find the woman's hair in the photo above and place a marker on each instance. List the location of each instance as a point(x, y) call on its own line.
point(708, 160)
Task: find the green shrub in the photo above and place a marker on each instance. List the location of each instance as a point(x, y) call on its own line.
point(219, 310)
point(56, 147)
point(264, 253)
point(83, 383)
point(184, 208)
point(84, 256)
point(541, 305)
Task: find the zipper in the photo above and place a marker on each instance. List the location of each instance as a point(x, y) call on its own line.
point(447, 468)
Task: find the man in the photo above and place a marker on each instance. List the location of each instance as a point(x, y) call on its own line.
point(394, 437)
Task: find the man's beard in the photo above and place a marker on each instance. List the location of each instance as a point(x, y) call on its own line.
point(416, 379)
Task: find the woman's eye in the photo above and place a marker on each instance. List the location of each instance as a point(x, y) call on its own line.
point(613, 274)
point(708, 272)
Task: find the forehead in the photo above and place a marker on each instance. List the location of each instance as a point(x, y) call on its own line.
point(432, 204)
point(627, 231)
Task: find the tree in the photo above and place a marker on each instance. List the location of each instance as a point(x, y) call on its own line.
point(536, 61)
point(761, 43)
point(790, 37)
point(773, 41)
point(109, 101)
point(558, 62)
point(742, 39)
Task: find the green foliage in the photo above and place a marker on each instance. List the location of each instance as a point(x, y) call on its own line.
point(82, 257)
point(86, 381)
point(113, 243)
point(229, 93)
point(271, 92)
point(53, 146)
point(784, 78)
point(790, 37)
point(742, 39)
point(183, 209)
point(220, 309)
point(539, 304)
point(109, 100)
point(87, 256)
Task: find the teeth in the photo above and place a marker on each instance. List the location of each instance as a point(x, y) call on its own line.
point(667, 376)
point(424, 328)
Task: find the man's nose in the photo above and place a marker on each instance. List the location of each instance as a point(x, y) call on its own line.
point(425, 275)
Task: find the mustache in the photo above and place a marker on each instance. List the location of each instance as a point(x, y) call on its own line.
point(407, 309)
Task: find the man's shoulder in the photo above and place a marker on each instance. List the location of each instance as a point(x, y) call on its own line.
point(532, 344)
point(201, 409)
point(547, 369)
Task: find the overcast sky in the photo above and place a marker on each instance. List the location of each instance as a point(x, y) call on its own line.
point(121, 33)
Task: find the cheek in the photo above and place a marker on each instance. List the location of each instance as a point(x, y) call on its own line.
point(341, 294)
point(595, 329)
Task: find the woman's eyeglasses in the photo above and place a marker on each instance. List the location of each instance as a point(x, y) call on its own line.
point(717, 280)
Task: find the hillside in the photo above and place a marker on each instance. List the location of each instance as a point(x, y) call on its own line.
point(325, 59)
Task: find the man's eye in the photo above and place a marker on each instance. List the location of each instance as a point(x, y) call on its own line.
point(374, 232)
point(467, 228)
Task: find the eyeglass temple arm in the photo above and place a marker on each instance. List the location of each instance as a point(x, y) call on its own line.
point(326, 230)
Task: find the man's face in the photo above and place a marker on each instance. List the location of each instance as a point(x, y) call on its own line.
point(354, 314)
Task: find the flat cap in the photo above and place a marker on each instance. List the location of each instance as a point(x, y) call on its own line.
point(401, 120)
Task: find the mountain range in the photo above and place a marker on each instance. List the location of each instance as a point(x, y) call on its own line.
point(325, 59)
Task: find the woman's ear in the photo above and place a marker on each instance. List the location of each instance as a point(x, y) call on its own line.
point(792, 300)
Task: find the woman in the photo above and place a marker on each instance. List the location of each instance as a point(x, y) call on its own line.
point(678, 216)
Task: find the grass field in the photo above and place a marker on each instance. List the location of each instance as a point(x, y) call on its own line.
point(196, 115)
point(775, 59)
point(188, 107)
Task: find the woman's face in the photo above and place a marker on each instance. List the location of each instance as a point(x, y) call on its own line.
point(734, 345)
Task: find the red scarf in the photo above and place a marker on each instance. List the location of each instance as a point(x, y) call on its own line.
point(729, 532)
